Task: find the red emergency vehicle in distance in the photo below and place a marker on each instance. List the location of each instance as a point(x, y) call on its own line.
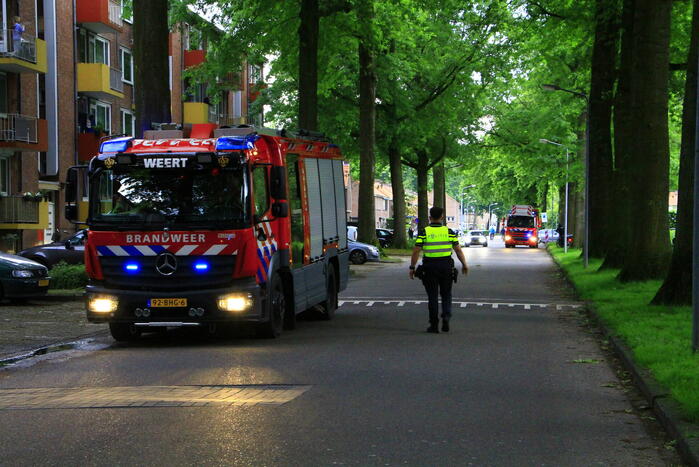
point(245, 226)
point(522, 227)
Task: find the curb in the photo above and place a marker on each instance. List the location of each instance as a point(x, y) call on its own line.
point(50, 348)
point(666, 409)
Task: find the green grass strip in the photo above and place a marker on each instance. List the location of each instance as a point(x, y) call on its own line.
point(659, 336)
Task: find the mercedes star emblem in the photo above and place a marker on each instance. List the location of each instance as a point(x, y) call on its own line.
point(166, 264)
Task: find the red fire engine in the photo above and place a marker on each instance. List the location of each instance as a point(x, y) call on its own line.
point(521, 227)
point(245, 226)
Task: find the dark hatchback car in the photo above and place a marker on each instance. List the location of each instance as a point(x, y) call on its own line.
point(22, 278)
point(71, 251)
point(385, 237)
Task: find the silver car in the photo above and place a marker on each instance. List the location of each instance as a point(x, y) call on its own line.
point(360, 253)
point(475, 237)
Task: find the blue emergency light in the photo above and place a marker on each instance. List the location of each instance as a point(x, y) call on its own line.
point(201, 266)
point(236, 143)
point(132, 267)
point(116, 145)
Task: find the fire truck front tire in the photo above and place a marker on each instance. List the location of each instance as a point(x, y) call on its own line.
point(276, 301)
point(124, 332)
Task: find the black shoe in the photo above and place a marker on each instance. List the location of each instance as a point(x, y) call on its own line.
point(445, 325)
point(433, 329)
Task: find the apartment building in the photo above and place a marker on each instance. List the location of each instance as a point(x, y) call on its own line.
point(66, 82)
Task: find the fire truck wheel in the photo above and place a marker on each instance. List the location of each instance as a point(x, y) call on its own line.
point(277, 306)
point(330, 303)
point(124, 332)
point(289, 314)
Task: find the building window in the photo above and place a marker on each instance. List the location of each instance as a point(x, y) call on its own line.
point(3, 93)
point(126, 65)
point(93, 48)
point(4, 176)
point(101, 115)
point(127, 14)
point(128, 123)
point(255, 74)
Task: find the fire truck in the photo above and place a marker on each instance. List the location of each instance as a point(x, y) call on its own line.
point(522, 226)
point(244, 226)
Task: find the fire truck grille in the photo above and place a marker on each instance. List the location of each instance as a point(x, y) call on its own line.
point(218, 273)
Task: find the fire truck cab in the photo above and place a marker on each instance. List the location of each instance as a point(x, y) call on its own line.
point(522, 226)
point(247, 226)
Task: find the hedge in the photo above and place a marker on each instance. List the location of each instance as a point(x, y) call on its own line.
point(68, 276)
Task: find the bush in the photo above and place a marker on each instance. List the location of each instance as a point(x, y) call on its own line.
point(68, 276)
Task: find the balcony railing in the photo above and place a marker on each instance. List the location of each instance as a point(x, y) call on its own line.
point(230, 120)
point(24, 49)
point(15, 127)
point(17, 210)
point(115, 81)
point(115, 12)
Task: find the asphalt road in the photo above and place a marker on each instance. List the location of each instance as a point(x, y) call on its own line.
point(518, 381)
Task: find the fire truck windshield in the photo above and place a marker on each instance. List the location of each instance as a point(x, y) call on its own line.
point(138, 198)
point(520, 221)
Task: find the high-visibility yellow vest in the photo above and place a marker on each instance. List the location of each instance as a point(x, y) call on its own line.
point(437, 242)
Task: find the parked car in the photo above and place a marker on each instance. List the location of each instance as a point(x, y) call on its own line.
point(548, 235)
point(360, 253)
point(71, 251)
point(475, 237)
point(385, 237)
point(21, 277)
point(352, 233)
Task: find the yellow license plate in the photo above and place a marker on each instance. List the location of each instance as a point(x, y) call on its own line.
point(43, 283)
point(167, 302)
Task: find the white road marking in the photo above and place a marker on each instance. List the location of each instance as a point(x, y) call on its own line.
point(462, 304)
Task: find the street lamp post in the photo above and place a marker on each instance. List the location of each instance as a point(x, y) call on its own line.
point(565, 216)
point(461, 204)
point(582, 95)
point(490, 215)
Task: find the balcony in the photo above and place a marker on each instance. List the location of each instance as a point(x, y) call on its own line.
point(194, 58)
point(230, 120)
point(196, 112)
point(99, 81)
point(23, 133)
point(16, 213)
point(100, 16)
point(29, 56)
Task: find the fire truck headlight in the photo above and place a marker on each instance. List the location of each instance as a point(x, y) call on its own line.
point(508, 238)
point(102, 304)
point(532, 239)
point(235, 302)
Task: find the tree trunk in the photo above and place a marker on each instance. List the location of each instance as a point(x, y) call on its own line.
point(601, 92)
point(677, 288)
point(649, 171)
point(399, 210)
point(308, 64)
point(151, 69)
point(423, 163)
point(367, 119)
point(439, 186)
point(621, 222)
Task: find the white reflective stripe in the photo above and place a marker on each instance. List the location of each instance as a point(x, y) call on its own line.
point(214, 250)
point(437, 243)
point(441, 250)
point(145, 250)
point(185, 250)
point(118, 251)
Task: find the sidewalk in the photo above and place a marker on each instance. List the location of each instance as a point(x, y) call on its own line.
point(42, 322)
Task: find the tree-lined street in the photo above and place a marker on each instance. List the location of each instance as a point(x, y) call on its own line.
point(513, 383)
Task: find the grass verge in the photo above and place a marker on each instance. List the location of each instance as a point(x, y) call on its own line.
point(659, 336)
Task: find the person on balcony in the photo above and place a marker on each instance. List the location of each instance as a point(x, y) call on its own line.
point(17, 31)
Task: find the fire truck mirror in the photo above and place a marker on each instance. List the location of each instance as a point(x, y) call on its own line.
point(280, 210)
point(278, 183)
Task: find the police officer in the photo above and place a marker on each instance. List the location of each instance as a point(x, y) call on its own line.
point(436, 242)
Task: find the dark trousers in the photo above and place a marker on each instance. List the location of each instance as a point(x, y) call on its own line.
point(437, 281)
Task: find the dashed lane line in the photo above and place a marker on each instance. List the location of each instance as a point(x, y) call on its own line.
point(148, 396)
point(462, 304)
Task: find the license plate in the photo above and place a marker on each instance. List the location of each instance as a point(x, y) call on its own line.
point(167, 302)
point(43, 283)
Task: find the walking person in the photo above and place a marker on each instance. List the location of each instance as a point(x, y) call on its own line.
point(436, 242)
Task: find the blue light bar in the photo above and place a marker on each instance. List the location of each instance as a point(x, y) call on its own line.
point(201, 266)
point(132, 267)
point(116, 145)
point(236, 143)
